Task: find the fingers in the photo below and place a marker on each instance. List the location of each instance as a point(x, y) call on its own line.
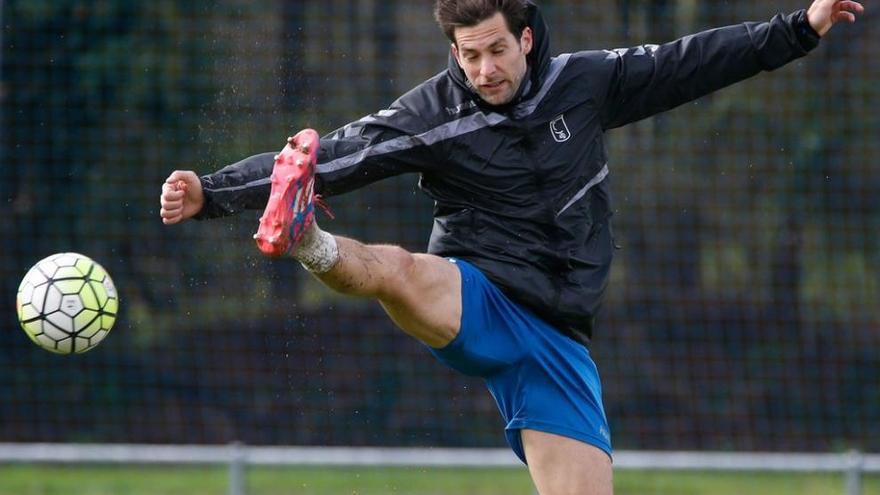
point(182, 179)
point(847, 11)
point(170, 217)
point(823, 14)
point(171, 200)
point(852, 6)
point(178, 175)
point(843, 16)
point(171, 220)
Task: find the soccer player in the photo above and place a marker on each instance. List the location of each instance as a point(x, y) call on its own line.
point(509, 142)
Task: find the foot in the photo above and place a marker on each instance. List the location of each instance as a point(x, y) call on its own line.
point(291, 207)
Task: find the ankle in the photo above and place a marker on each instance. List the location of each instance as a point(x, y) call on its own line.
point(318, 251)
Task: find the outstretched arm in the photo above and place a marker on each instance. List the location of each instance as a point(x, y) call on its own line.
point(378, 146)
point(642, 81)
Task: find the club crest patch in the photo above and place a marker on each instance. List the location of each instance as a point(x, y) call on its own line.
point(559, 129)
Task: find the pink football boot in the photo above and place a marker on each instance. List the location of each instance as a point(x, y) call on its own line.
point(291, 207)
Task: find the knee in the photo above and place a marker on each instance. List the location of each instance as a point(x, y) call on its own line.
point(399, 277)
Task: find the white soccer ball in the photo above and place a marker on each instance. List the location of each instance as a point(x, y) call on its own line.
point(67, 303)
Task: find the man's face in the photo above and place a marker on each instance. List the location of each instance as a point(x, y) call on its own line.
point(493, 60)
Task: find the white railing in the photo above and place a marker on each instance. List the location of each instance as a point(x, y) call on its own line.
point(852, 464)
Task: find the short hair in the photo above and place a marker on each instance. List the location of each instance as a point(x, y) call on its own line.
point(451, 14)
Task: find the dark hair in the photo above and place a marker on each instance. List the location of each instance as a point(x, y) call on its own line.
point(451, 14)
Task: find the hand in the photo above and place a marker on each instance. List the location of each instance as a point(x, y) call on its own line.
point(823, 14)
point(181, 198)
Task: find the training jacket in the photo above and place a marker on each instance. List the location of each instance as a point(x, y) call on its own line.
point(521, 190)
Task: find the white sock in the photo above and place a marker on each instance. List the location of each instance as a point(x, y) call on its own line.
point(317, 251)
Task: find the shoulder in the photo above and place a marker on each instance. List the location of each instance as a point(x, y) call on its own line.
point(436, 101)
point(596, 68)
point(596, 59)
point(581, 71)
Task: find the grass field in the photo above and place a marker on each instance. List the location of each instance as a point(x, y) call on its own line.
point(131, 480)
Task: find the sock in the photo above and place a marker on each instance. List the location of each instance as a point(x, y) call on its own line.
point(317, 251)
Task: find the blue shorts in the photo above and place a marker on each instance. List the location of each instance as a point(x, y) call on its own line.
point(540, 379)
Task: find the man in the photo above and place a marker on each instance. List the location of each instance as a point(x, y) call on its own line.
point(509, 144)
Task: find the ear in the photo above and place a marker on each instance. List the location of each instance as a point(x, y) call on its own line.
point(526, 40)
point(455, 53)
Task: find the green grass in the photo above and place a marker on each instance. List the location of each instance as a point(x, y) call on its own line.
point(133, 480)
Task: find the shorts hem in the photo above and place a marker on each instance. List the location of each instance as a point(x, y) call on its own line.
point(588, 438)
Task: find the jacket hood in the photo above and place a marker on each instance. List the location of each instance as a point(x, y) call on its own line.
point(538, 60)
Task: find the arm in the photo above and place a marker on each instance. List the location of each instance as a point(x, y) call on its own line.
point(647, 80)
point(378, 146)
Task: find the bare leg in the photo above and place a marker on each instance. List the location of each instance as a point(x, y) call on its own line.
point(564, 466)
point(420, 292)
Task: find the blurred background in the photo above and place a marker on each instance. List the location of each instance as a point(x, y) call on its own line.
point(743, 312)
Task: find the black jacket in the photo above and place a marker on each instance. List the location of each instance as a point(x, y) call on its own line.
point(521, 191)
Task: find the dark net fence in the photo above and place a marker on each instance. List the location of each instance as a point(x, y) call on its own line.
point(742, 314)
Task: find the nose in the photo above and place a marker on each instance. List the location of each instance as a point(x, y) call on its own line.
point(487, 67)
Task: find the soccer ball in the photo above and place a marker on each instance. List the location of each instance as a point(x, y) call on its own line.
point(67, 303)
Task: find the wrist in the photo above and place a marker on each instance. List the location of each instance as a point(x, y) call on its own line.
point(806, 34)
point(813, 23)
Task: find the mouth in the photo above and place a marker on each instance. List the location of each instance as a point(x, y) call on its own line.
point(492, 86)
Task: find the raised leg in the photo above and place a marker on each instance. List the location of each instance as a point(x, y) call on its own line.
point(421, 292)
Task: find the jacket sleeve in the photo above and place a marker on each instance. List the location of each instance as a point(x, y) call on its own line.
point(377, 146)
point(642, 81)
point(384, 144)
